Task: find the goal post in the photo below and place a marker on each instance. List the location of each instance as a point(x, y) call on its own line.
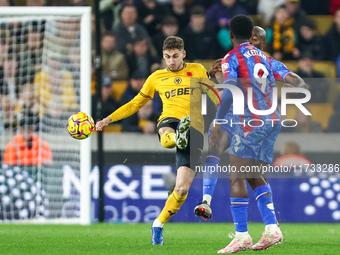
point(75, 89)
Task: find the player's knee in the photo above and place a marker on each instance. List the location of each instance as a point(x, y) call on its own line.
point(215, 149)
point(181, 191)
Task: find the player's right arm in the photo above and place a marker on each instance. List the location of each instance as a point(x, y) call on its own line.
point(229, 69)
point(144, 95)
point(295, 80)
point(282, 73)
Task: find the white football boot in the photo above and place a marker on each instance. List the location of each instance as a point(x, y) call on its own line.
point(271, 236)
point(241, 242)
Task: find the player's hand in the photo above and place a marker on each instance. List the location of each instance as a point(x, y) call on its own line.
point(215, 67)
point(214, 134)
point(103, 123)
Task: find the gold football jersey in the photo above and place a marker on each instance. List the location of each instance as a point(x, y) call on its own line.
point(179, 91)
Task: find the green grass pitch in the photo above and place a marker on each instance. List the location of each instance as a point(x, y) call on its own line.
point(180, 238)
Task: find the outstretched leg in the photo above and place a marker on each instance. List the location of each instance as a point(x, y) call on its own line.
point(218, 143)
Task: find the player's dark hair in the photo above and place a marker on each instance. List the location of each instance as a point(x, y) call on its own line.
point(241, 26)
point(173, 42)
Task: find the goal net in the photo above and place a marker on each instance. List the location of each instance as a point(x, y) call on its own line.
point(45, 60)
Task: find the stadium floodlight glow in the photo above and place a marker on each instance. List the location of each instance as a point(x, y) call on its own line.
point(65, 150)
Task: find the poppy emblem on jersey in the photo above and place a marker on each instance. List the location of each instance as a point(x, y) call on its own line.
point(178, 80)
point(189, 73)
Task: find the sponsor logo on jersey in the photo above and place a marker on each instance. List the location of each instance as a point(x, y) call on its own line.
point(179, 92)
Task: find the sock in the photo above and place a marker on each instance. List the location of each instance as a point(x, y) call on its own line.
point(157, 224)
point(167, 140)
point(172, 205)
point(239, 207)
point(265, 204)
point(210, 176)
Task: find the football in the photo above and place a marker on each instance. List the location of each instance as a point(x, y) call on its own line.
point(80, 125)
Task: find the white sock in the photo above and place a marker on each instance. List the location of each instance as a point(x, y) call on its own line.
point(241, 234)
point(157, 224)
point(207, 198)
point(271, 228)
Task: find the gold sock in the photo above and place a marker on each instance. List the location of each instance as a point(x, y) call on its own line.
point(172, 205)
point(167, 140)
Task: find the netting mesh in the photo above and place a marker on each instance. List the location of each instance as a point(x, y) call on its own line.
point(39, 90)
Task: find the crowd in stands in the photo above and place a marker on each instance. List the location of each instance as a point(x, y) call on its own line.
point(132, 34)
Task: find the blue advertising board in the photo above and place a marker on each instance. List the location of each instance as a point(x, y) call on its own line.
point(137, 194)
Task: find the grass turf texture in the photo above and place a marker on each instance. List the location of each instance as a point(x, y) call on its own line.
point(180, 238)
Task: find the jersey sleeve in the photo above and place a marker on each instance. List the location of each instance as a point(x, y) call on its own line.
point(229, 69)
point(148, 89)
point(145, 94)
point(279, 69)
point(208, 86)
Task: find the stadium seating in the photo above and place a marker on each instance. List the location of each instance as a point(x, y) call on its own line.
point(323, 23)
point(320, 113)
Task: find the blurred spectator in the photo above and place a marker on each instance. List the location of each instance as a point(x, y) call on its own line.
point(144, 121)
point(141, 59)
point(5, 41)
point(266, 8)
point(136, 82)
point(201, 41)
point(54, 87)
point(73, 65)
point(305, 124)
point(95, 33)
point(315, 7)
point(10, 85)
point(128, 30)
point(332, 39)
point(296, 13)
point(26, 148)
point(113, 62)
point(334, 121)
point(281, 35)
point(309, 42)
point(109, 104)
point(291, 156)
point(110, 10)
point(316, 82)
point(27, 103)
point(205, 3)
point(7, 3)
point(220, 14)
point(334, 5)
point(150, 15)
point(169, 28)
point(35, 2)
point(180, 11)
point(31, 57)
point(249, 5)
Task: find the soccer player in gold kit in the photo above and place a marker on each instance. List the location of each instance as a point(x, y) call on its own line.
point(180, 125)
